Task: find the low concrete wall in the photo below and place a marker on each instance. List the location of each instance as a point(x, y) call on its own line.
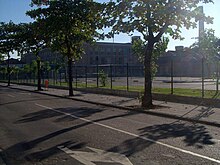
point(122, 93)
point(188, 100)
point(160, 97)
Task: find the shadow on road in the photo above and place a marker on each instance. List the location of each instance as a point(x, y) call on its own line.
point(51, 151)
point(47, 113)
point(22, 152)
point(27, 100)
point(192, 135)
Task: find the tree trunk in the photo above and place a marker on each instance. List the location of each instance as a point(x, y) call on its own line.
point(38, 75)
point(147, 97)
point(8, 71)
point(70, 76)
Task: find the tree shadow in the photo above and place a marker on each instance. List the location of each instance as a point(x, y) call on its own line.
point(51, 151)
point(123, 101)
point(22, 152)
point(192, 135)
point(204, 113)
point(27, 100)
point(48, 113)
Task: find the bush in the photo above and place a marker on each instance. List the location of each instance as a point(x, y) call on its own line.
point(103, 78)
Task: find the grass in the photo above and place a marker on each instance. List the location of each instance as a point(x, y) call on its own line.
point(176, 91)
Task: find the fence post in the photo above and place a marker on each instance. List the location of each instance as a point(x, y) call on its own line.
point(202, 77)
point(127, 77)
point(60, 77)
point(17, 77)
point(171, 76)
point(54, 76)
point(111, 74)
point(76, 75)
point(26, 78)
point(217, 77)
point(86, 75)
point(97, 71)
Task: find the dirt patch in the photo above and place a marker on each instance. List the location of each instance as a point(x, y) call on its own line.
point(153, 107)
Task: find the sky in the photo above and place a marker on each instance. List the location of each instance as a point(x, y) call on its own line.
point(15, 10)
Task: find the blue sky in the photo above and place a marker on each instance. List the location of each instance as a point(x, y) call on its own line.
point(15, 10)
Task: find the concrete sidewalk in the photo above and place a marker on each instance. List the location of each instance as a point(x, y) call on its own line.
point(192, 113)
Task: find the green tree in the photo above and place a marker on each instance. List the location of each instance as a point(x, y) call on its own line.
point(57, 65)
point(8, 42)
point(2, 57)
point(15, 70)
point(46, 68)
point(138, 48)
point(3, 71)
point(33, 41)
point(27, 71)
point(70, 24)
point(207, 47)
point(33, 67)
point(152, 19)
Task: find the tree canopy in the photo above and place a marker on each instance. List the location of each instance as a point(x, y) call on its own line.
point(154, 18)
point(70, 24)
point(9, 41)
point(207, 45)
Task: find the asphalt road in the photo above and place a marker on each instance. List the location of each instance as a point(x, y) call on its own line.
point(40, 129)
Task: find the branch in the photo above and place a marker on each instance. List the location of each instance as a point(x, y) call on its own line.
point(162, 31)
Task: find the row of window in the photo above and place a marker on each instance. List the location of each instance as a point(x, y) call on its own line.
point(109, 51)
point(105, 60)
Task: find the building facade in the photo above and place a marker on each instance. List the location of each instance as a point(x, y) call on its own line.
point(119, 55)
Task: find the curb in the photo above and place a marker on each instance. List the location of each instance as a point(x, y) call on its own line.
point(160, 114)
point(156, 96)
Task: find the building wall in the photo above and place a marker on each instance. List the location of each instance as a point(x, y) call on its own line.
point(120, 54)
point(45, 55)
point(108, 53)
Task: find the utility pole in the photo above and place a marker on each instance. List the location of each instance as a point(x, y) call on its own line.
point(201, 34)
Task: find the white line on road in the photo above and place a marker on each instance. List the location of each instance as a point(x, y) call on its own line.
point(10, 95)
point(96, 155)
point(25, 93)
point(134, 135)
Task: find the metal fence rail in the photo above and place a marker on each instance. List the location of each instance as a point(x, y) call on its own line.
point(172, 77)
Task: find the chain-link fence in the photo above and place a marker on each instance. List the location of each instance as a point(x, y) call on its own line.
point(195, 78)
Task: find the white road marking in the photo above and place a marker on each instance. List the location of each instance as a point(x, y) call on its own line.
point(134, 135)
point(96, 155)
point(25, 93)
point(216, 140)
point(10, 95)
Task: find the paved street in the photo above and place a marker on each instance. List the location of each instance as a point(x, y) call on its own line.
point(40, 129)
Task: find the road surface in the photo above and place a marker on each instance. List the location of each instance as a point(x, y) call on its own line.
point(39, 129)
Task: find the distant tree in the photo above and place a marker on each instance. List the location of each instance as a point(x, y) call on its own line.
point(15, 70)
point(34, 40)
point(207, 47)
point(70, 24)
point(2, 57)
point(8, 42)
point(138, 48)
point(46, 68)
point(3, 71)
point(33, 67)
point(152, 19)
point(57, 65)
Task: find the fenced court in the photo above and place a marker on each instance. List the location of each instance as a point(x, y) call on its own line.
point(201, 82)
